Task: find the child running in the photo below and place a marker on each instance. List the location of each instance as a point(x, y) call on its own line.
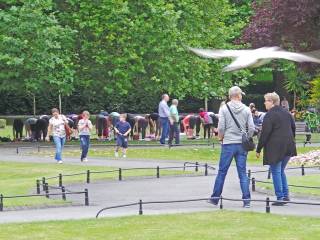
point(84, 127)
point(122, 129)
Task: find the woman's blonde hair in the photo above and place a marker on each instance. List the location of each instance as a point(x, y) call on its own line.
point(55, 110)
point(86, 113)
point(274, 97)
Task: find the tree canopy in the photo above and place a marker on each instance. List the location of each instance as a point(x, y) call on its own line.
point(117, 48)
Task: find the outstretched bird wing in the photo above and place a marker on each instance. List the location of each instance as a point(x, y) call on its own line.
point(241, 62)
point(297, 57)
point(216, 53)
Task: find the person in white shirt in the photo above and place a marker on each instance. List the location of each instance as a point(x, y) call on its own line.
point(84, 127)
point(57, 130)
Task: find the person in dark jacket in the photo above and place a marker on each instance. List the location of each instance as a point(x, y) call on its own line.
point(278, 142)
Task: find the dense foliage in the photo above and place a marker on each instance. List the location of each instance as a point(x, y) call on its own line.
point(113, 54)
point(293, 25)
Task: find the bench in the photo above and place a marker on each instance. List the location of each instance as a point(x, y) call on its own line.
point(303, 129)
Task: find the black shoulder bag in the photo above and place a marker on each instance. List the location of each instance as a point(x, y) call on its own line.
point(247, 142)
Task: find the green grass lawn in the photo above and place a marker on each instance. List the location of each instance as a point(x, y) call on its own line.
point(307, 180)
point(196, 226)
point(20, 179)
point(201, 154)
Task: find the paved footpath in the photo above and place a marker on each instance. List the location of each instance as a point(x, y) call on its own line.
point(110, 193)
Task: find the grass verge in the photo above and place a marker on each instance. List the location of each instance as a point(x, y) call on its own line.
point(202, 154)
point(308, 180)
point(203, 226)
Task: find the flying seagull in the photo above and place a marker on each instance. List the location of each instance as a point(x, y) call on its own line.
point(252, 58)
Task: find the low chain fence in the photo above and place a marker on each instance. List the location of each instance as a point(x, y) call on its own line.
point(221, 199)
point(63, 194)
point(44, 189)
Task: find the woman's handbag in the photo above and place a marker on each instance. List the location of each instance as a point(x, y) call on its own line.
point(67, 129)
point(247, 142)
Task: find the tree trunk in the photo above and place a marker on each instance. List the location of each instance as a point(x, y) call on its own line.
point(206, 104)
point(60, 109)
point(294, 100)
point(34, 105)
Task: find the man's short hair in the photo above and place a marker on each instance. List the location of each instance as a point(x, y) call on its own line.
point(175, 101)
point(235, 91)
point(274, 97)
point(164, 95)
point(123, 115)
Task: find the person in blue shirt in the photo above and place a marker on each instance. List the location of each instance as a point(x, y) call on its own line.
point(164, 114)
point(122, 130)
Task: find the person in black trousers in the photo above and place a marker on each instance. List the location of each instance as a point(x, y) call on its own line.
point(278, 142)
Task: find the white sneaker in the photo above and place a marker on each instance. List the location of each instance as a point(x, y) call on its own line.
point(124, 156)
point(116, 154)
point(60, 162)
point(85, 160)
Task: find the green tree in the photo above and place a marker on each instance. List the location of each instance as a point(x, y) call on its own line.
point(36, 53)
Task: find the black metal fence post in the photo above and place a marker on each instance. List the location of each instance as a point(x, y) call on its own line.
point(140, 207)
point(47, 190)
point(43, 183)
point(253, 184)
point(88, 176)
point(302, 170)
point(269, 173)
point(17, 150)
point(1, 202)
point(206, 169)
point(158, 172)
point(267, 205)
point(60, 180)
point(86, 197)
point(38, 186)
point(120, 174)
point(197, 167)
point(63, 190)
point(249, 174)
point(221, 204)
point(38, 148)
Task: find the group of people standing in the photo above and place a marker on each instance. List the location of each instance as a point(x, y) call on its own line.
point(171, 122)
point(277, 139)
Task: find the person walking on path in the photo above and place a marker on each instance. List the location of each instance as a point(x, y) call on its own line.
point(174, 123)
point(277, 139)
point(164, 113)
point(122, 129)
point(231, 146)
point(84, 127)
point(57, 128)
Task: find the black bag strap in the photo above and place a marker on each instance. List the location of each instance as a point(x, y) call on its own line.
point(234, 119)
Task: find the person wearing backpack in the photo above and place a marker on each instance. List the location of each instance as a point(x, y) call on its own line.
point(235, 123)
point(207, 122)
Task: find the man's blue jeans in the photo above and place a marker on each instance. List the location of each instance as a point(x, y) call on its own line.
point(228, 152)
point(84, 143)
point(59, 142)
point(279, 178)
point(164, 121)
